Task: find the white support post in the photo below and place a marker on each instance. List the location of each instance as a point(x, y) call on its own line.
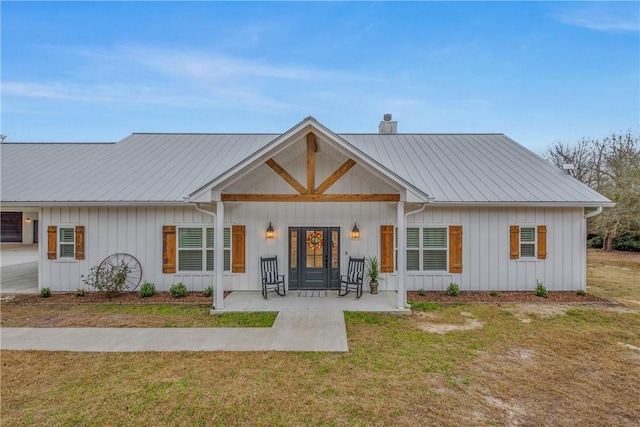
point(402, 253)
point(218, 295)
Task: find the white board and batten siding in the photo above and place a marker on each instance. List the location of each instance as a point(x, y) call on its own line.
point(486, 261)
point(109, 230)
point(485, 249)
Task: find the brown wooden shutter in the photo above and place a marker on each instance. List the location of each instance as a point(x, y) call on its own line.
point(515, 242)
point(387, 249)
point(542, 242)
point(168, 248)
point(79, 241)
point(455, 249)
point(52, 242)
point(237, 249)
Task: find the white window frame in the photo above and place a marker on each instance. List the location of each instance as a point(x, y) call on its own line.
point(422, 249)
point(204, 249)
point(61, 243)
point(534, 243)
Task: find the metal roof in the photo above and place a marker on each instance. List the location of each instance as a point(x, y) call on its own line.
point(163, 168)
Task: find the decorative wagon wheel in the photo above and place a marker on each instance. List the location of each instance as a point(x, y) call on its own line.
point(134, 269)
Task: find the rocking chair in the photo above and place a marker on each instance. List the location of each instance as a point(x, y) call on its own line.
point(271, 280)
point(353, 279)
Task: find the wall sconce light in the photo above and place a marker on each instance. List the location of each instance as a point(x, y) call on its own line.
point(355, 232)
point(28, 220)
point(270, 233)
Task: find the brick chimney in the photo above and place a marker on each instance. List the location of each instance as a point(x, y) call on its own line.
point(387, 125)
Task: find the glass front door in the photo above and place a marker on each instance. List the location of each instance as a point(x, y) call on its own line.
point(314, 257)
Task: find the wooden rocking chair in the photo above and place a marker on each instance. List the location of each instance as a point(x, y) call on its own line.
point(271, 280)
point(353, 279)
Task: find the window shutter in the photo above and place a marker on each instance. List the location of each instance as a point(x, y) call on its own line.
point(515, 242)
point(542, 242)
point(52, 241)
point(237, 247)
point(168, 248)
point(455, 249)
point(386, 248)
point(79, 241)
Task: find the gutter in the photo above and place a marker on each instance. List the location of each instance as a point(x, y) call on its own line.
point(598, 211)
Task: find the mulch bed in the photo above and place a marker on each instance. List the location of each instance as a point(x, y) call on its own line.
point(501, 297)
point(101, 298)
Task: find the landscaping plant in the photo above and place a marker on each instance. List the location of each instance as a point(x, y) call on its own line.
point(541, 290)
point(178, 290)
point(147, 289)
point(110, 278)
point(207, 292)
point(45, 292)
point(453, 289)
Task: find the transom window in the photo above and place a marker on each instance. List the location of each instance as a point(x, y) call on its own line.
point(67, 242)
point(196, 249)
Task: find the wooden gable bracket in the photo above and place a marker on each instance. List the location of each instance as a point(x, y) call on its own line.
point(311, 193)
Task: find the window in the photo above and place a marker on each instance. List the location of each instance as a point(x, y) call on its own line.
point(427, 248)
point(196, 249)
point(528, 242)
point(66, 242)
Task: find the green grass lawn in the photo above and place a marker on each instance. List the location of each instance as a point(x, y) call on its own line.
point(509, 364)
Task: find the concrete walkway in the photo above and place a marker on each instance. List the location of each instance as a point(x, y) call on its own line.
point(292, 331)
point(18, 268)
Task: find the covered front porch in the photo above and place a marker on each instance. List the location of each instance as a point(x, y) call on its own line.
point(311, 300)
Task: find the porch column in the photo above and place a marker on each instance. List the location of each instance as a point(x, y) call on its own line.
point(218, 295)
point(402, 253)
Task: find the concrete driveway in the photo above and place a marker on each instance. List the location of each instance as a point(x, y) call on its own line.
point(18, 268)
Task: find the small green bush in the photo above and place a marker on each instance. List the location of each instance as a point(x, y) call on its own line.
point(207, 292)
point(421, 292)
point(493, 293)
point(453, 289)
point(178, 290)
point(147, 289)
point(541, 290)
point(581, 292)
point(79, 292)
point(45, 292)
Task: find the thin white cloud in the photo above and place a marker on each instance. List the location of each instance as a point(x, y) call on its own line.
point(605, 17)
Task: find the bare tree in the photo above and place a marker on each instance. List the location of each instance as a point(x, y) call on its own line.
point(610, 166)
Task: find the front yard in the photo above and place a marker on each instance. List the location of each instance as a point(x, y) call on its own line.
point(455, 364)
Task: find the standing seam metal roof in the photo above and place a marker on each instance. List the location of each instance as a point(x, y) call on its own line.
point(163, 168)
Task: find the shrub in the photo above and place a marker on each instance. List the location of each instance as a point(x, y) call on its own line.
point(627, 242)
point(110, 278)
point(493, 293)
point(79, 292)
point(595, 241)
point(453, 289)
point(207, 292)
point(178, 290)
point(147, 289)
point(421, 292)
point(45, 292)
point(581, 292)
point(541, 290)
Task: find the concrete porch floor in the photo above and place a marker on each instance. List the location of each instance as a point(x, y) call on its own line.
point(383, 302)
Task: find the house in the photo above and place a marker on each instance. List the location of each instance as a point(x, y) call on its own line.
point(475, 209)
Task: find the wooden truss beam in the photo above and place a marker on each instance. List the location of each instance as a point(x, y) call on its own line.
point(311, 162)
point(286, 176)
point(310, 197)
point(331, 179)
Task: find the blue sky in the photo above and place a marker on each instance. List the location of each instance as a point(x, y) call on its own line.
point(537, 71)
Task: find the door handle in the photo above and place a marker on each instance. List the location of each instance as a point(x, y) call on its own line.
point(326, 261)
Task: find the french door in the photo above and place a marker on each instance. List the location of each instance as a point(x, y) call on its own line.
point(314, 257)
